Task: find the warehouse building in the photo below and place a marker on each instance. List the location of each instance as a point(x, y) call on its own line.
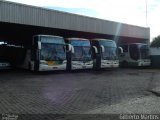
point(19, 22)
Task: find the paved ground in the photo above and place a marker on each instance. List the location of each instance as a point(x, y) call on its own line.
point(82, 92)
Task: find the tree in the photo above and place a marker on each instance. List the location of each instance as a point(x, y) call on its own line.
point(156, 42)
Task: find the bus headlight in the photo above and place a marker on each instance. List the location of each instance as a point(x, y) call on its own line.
point(43, 62)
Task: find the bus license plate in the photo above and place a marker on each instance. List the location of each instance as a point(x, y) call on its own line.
point(50, 63)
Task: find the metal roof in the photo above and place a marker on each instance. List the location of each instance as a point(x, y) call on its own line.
point(11, 12)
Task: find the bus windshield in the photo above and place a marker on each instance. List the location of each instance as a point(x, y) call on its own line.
point(82, 50)
point(52, 49)
point(144, 51)
point(110, 52)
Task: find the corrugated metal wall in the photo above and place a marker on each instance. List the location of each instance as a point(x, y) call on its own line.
point(29, 15)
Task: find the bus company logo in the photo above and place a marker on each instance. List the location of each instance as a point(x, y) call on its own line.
point(9, 117)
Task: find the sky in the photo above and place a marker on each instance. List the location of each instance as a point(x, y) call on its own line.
point(125, 11)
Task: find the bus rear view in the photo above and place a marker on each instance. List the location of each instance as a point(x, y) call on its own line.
point(104, 53)
point(79, 55)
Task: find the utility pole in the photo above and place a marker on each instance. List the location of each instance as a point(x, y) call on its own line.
point(146, 12)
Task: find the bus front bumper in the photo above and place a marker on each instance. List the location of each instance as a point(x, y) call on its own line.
point(144, 63)
point(80, 65)
point(109, 63)
point(43, 67)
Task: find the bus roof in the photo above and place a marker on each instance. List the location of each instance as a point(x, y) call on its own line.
point(48, 36)
point(135, 44)
point(101, 39)
point(76, 39)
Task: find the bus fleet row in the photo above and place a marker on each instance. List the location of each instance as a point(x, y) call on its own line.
point(49, 52)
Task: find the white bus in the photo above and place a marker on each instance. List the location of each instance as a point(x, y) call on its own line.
point(79, 54)
point(47, 53)
point(135, 54)
point(105, 53)
point(4, 61)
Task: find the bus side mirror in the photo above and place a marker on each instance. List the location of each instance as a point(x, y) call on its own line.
point(95, 49)
point(102, 48)
point(121, 50)
point(70, 48)
point(39, 45)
